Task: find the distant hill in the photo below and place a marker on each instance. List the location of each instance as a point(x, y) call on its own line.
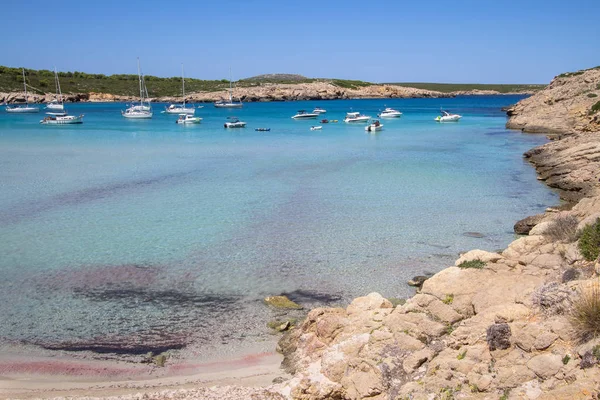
point(279, 78)
point(456, 87)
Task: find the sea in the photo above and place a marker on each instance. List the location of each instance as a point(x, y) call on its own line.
point(127, 236)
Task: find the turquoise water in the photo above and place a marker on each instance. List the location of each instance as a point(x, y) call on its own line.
point(147, 229)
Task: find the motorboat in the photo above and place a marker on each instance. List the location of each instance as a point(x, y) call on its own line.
point(185, 118)
point(324, 121)
point(57, 103)
point(234, 123)
point(230, 103)
point(302, 114)
point(142, 110)
point(62, 119)
point(447, 117)
point(316, 128)
point(376, 126)
point(262, 129)
point(181, 108)
point(356, 117)
point(319, 110)
point(23, 108)
point(389, 113)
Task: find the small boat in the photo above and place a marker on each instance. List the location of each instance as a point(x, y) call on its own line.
point(185, 118)
point(324, 121)
point(23, 108)
point(142, 110)
point(374, 127)
point(262, 129)
point(181, 108)
point(316, 128)
point(230, 103)
point(302, 114)
point(389, 113)
point(319, 110)
point(333, 121)
point(234, 123)
point(356, 117)
point(447, 117)
point(62, 119)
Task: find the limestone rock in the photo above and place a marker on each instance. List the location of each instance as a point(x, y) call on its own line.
point(372, 301)
point(524, 226)
point(481, 255)
point(418, 280)
point(545, 365)
point(545, 340)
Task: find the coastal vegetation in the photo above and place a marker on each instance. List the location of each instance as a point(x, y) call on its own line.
point(42, 81)
point(595, 108)
point(455, 87)
point(563, 229)
point(589, 242)
point(586, 313)
point(477, 264)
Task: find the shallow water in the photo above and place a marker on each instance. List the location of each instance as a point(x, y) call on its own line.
point(120, 230)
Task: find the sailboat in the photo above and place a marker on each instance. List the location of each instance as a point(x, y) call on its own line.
point(143, 110)
point(230, 103)
point(180, 108)
point(23, 108)
point(57, 103)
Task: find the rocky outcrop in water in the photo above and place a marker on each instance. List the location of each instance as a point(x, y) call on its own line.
point(565, 106)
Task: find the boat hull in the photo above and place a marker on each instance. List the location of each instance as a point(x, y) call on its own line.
point(235, 124)
point(189, 121)
point(373, 128)
point(450, 118)
point(137, 115)
point(305, 116)
point(64, 120)
point(53, 106)
point(357, 120)
point(390, 115)
point(180, 110)
point(22, 110)
point(228, 105)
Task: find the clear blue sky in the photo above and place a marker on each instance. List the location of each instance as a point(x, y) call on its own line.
point(527, 41)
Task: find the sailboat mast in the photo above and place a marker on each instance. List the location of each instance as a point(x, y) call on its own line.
point(60, 99)
point(140, 81)
point(25, 87)
point(183, 85)
point(230, 89)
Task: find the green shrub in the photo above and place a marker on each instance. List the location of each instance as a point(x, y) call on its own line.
point(595, 108)
point(478, 264)
point(598, 86)
point(566, 359)
point(589, 241)
point(448, 299)
point(586, 313)
point(563, 228)
point(462, 355)
point(592, 95)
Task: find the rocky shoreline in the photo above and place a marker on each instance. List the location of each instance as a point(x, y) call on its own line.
point(263, 93)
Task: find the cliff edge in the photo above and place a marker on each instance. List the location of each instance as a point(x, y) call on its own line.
point(569, 104)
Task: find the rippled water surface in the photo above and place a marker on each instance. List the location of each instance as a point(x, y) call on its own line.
point(118, 229)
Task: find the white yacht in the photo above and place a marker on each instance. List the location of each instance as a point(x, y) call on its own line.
point(447, 117)
point(62, 119)
point(230, 103)
point(57, 103)
point(376, 126)
point(356, 117)
point(302, 114)
point(319, 110)
point(26, 108)
point(234, 123)
point(188, 119)
point(389, 113)
point(142, 110)
point(181, 108)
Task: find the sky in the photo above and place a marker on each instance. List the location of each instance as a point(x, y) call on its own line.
point(527, 41)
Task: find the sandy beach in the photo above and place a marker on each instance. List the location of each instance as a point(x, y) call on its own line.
point(27, 377)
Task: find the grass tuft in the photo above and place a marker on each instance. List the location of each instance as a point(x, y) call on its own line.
point(595, 108)
point(448, 299)
point(586, 313)
point(592, 95)
point(589, 241)
point(477, 264)
point(563, 229)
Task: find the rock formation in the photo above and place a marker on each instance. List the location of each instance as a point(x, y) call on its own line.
point(565, 106)
point(510, 335)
